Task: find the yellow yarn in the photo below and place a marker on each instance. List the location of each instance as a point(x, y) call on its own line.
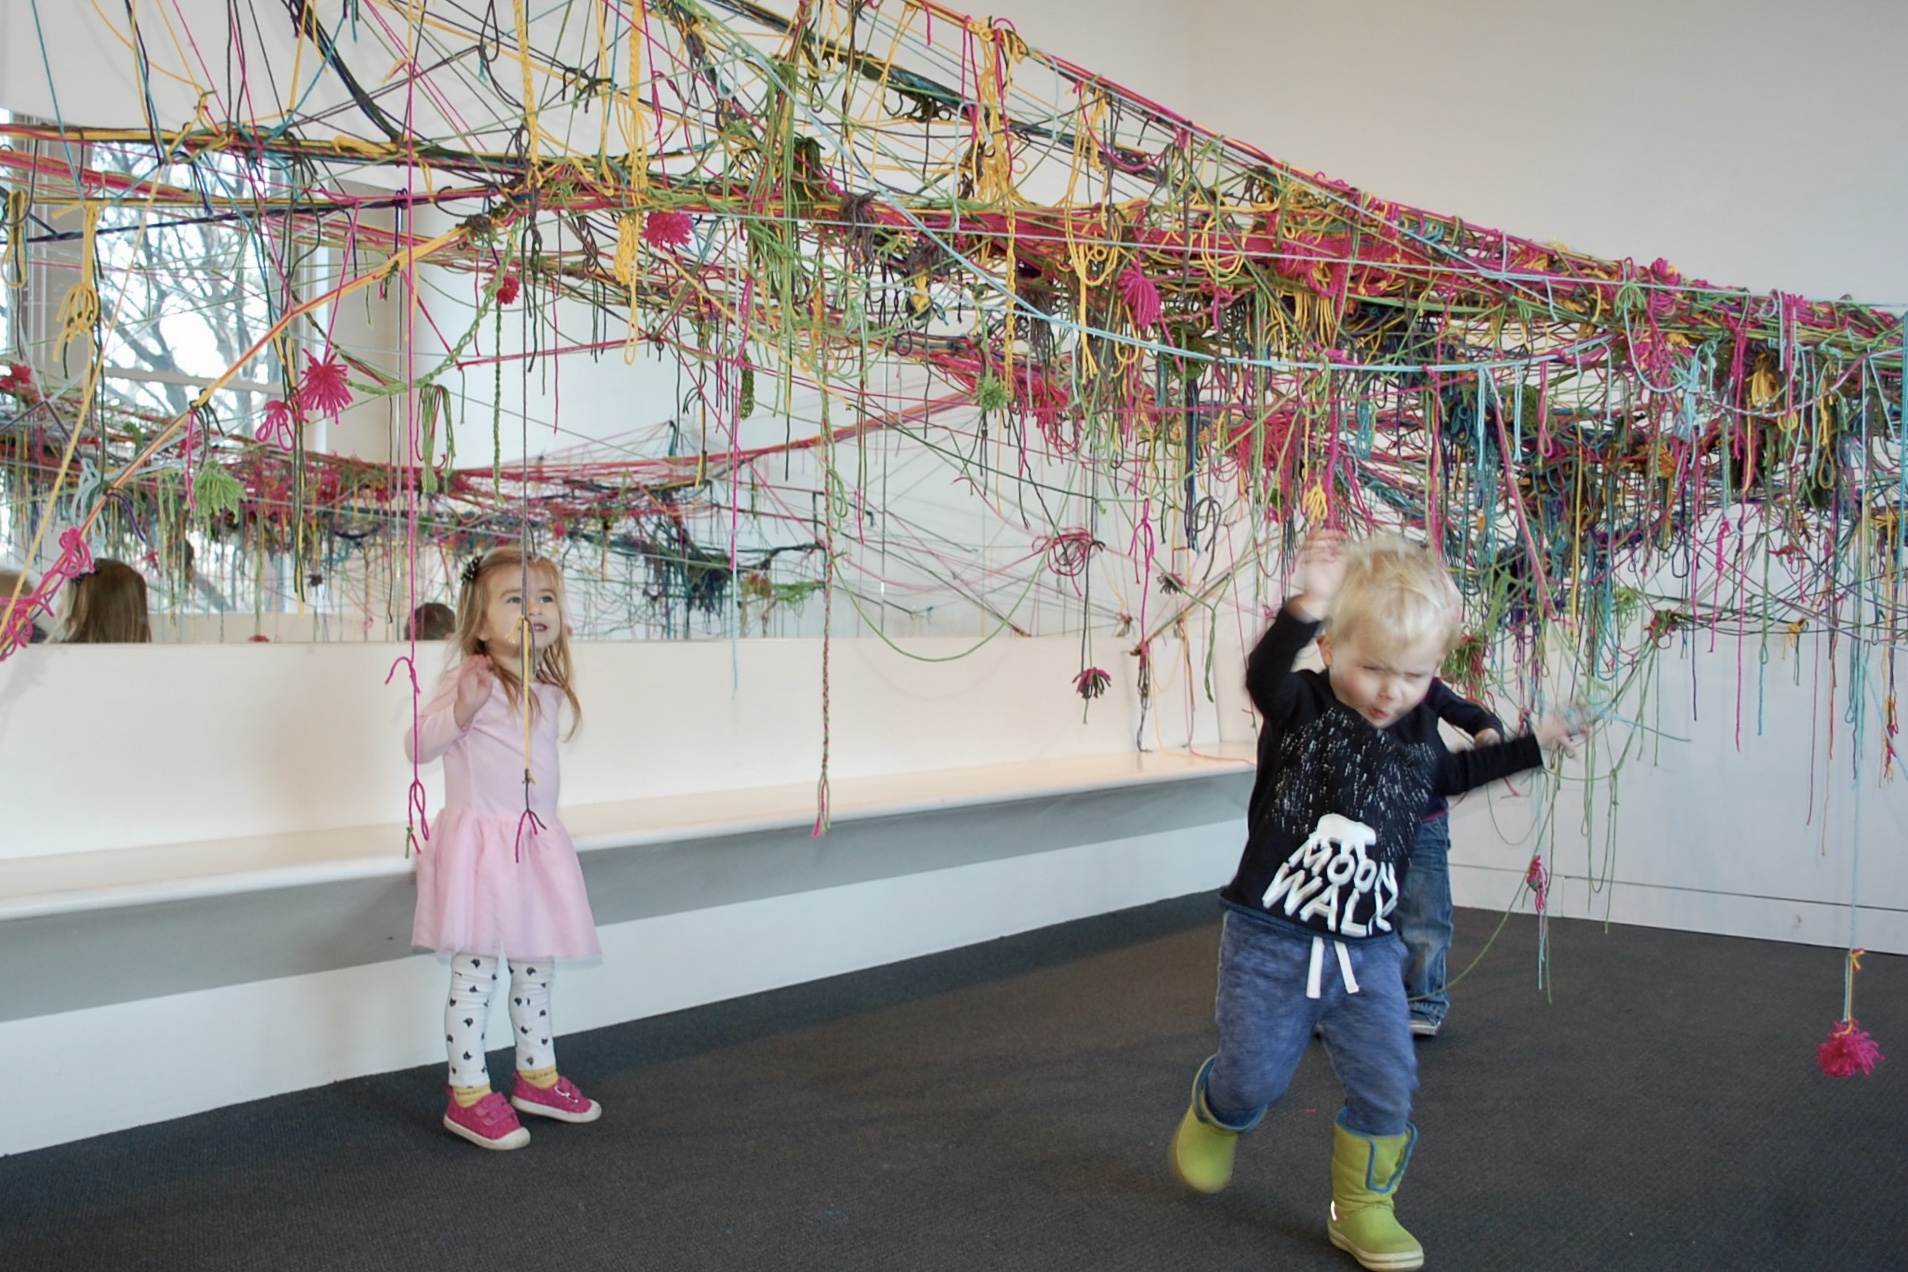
point(80, 309)
point(529, 89)
point(13, 260)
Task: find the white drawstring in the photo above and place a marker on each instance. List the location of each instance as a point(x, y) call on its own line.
point(1315, 973)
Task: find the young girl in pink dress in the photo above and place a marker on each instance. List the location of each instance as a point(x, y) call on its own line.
point(498, 880)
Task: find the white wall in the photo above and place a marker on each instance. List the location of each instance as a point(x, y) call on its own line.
point(1749, 142)
point(120, 746)
point(1767, 835)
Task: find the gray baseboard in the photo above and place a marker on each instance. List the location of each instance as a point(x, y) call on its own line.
point(66, 962)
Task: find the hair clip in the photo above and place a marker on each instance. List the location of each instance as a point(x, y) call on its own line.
point(472, 568)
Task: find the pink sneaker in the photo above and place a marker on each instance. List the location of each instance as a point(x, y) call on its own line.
point(489, 1123)
point(563, 1101)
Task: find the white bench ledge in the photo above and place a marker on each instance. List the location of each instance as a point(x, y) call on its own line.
point(73, 882)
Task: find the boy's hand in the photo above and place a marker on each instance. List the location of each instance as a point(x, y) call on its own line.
point(1564, 728)
point(473, 688)
point(1321, 572)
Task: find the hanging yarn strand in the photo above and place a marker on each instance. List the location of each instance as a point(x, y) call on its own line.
point(1848, 1050)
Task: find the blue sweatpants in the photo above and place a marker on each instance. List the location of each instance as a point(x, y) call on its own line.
point(1265, 1023)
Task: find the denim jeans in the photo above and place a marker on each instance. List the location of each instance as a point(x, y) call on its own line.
point(1423, 919)
point(1265, 1023)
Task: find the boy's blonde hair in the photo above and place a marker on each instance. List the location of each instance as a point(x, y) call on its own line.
point(552, 666)
point(1395, 597)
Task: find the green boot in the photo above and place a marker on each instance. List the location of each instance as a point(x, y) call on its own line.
point(1202, 1146)
point(1365, 1174)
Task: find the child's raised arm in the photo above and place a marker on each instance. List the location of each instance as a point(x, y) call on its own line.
point(1321, 569)
point(447, 716)
point(1565, 727)
point(1476, 721)
point(1461, 771)
point(1321, 572)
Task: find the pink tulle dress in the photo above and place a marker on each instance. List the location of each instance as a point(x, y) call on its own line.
point(489, 880)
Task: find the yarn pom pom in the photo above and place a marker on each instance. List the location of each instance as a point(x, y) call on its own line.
point(1848, 1051)
point(508, 289)
point(1141, 297)
point(1091, 683)
point(324, 388)
point(991, 395)
point(668, 229)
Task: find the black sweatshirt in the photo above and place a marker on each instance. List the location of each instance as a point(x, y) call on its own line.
point(1460, 712)
point(1337, 802)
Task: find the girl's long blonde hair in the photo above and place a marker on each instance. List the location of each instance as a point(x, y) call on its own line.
point(552, 666)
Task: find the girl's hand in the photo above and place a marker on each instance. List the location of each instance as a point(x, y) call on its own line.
point(1321, 572)
point(1486, 737)
point(473, 689)
point(1564, 728)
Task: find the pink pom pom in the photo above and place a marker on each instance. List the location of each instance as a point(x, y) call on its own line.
point(668, 229)
point(508, 289)
point(1849, 1050)
point(1091, 683)
point(324, 388)
point(1141, 297)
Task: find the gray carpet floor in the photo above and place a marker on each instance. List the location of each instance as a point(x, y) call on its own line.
point(1007, 1106)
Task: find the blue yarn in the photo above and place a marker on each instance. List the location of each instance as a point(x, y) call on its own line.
point(59, 116)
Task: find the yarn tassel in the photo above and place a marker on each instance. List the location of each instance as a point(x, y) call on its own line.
point(1141, 296)
point(1849, 1050)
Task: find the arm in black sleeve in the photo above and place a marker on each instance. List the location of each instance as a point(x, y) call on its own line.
point(1460, 771)
point(1269, 668)
point(1460, 712)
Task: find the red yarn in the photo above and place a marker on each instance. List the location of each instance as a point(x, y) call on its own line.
point(18, 381)
point(668, 229)
point(1141, 297)
point(509, 287)
point(1848, 1050)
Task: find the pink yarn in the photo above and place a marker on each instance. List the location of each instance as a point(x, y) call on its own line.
point(1301, 253)
point(275, 429)
point(1662, 301)
point(324, 388)
point(1849, 1050)
point(1141, 297)
point(16, 621)
point(1091, 683)
point(1538, 880)
point(668, 229)
point(508, 289)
